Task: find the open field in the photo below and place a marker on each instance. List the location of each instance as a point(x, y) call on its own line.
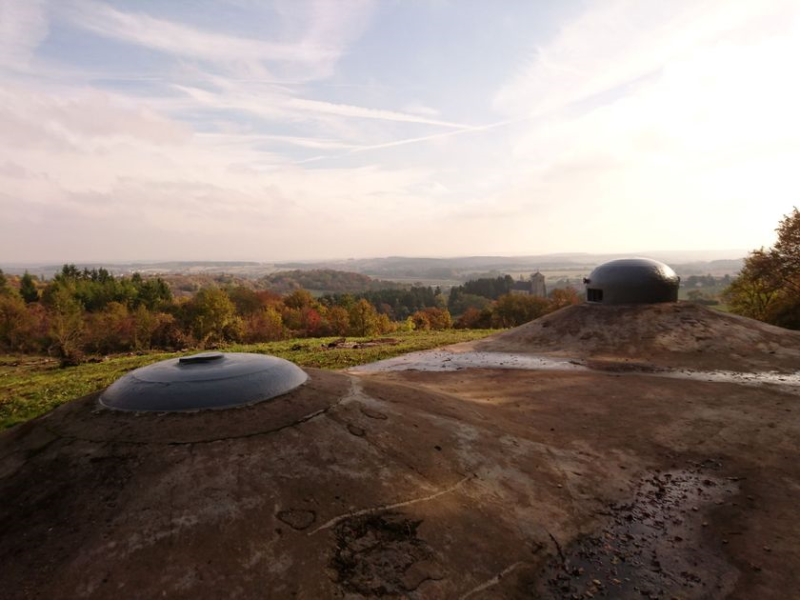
point(33, 385)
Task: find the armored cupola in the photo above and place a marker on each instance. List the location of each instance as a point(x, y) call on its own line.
point(632, 281)
point(203, 381)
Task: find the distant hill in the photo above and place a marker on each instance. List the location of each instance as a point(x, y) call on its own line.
point(426, 271)
point(324, 280)
point(203, 267)
point(470, 267)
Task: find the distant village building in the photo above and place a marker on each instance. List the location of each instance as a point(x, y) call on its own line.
point(534, 286)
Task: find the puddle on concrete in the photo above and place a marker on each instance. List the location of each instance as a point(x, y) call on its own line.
point(659, 545)
point(771, 377)
point(444, 360)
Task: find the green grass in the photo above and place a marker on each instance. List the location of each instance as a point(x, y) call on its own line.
point(31, 386)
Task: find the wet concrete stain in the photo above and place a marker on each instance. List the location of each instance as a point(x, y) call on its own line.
point(655, 546)
point(382, 555)
point(445, 361)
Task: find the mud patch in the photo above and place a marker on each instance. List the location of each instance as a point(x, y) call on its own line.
point(343, 343)
point(381, 555)
point(298, 519)
point(656, 546)
point(610, 366)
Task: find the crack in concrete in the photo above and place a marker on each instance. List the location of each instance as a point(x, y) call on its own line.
point(384, 507)
point(493, 581)
point(560, 551)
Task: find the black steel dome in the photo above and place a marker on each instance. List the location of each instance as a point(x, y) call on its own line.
point(632, 281)
point(207, 380)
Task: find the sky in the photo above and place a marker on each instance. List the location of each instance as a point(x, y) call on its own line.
point(291, 130)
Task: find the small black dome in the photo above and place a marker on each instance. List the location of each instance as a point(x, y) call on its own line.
point(632, 281)
point(207, 380)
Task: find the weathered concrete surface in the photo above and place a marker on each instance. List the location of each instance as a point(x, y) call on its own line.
point(478, 483)
point(606, 436)
point(674, 335)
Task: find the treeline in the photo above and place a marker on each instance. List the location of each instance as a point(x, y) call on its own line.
point(700, 281)
point(92, 311)
point(491, 288)
point(328, 280)
point(397, 304)
point(79, 312)
point(768, 286)
point(478, 293)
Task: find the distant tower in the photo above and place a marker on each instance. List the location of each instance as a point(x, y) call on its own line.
point(538, 287)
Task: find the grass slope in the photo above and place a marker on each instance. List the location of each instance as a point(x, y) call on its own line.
point(32, 386)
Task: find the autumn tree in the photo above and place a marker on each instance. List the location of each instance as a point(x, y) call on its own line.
point(299, 299)
point(65, 314)
point(768, 286)
point(363, 319)
point(469, 319)
point(421, 321)
point(385, 324)
point(110, 330)
point(247, 301)
point(310, 321)
point(12, 322)
point(513, 310)
point(5, 289)
point(264, 326)
point(338, 320)
point(143, 325)
point(561, 297)
point(432, 318)
point(460, 302)
point(27, 288)
point(213, 316)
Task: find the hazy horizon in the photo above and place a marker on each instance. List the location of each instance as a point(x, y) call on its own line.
point(299, 131)
point(678, 256)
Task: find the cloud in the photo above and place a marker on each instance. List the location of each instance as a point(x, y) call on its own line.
point(698, 151)
point(79, 119)
point(23, 26)
point(418, 108)
point(267, 103)
point(615, 43)
point(348, 110)
point(247, 139)
point(636, 126)
point(324, 32)
point(111, 175)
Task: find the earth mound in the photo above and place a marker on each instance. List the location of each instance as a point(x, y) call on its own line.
point(670, 335)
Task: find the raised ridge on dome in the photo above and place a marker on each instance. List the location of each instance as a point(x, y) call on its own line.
point(632, 281)
point(209, 380)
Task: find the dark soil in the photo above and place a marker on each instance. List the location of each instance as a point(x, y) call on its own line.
point(655, 546)
point(381, 555)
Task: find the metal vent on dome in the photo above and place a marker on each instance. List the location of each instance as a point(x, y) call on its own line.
point(203, 381)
